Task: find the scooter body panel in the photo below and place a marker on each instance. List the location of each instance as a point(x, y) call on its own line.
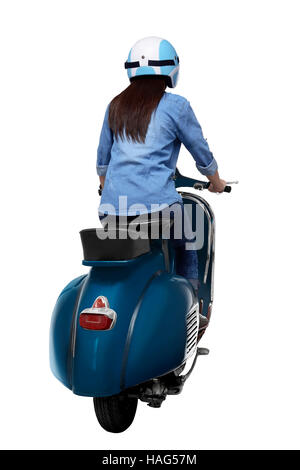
point(156, 341)
point(92, 363)
point(61, 330)
point(98, 355)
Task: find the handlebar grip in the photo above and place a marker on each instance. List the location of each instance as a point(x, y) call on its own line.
point(205, 185)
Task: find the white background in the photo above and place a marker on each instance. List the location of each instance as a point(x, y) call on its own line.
point(61, 63)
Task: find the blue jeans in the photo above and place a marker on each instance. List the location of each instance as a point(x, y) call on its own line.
point(186, 260)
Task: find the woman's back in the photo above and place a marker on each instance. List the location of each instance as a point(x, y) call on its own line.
point(139, 175)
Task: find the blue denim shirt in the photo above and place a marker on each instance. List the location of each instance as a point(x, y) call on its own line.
point(143, 172)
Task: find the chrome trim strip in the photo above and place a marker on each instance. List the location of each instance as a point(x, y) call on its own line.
point(191, 310)
point(189, 345)
point(75, 317)
point(165, 250)
point(104, 300)
point(72, 332)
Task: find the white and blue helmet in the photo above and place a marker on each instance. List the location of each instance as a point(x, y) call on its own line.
point(153, 56)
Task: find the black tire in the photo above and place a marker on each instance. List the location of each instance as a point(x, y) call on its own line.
point(116, 413)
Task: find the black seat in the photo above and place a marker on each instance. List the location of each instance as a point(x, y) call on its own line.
point(97, 249)
point(127, 241)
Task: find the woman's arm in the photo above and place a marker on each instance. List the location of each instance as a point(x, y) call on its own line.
point(190, 134)
point(104, 148)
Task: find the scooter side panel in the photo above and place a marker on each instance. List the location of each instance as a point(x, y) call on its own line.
point(60, 330)
point(98, 356)
point(157, 342)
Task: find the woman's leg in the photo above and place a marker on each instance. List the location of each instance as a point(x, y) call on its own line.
point(186, 259)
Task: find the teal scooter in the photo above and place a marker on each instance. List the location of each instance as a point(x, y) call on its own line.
point(124, 331)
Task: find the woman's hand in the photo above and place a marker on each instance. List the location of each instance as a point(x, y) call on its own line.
point(216, 184)
point(217, 188)
point(102, 180)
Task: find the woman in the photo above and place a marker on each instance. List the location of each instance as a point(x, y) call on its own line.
point(140, 141)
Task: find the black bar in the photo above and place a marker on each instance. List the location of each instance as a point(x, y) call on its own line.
point(102, 459)
point(161, 63)
point(131, 65)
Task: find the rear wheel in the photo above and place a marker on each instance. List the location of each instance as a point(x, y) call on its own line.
point(116, 413)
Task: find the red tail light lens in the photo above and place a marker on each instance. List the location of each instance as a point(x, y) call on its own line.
point(92, 321)
point(99, 317)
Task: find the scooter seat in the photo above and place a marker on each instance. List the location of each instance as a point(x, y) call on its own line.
point(96, 248)
point(129, 240)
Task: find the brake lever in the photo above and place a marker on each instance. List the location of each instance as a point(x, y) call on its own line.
point(201, 186)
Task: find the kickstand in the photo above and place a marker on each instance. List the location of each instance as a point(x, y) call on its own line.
point(199, 352)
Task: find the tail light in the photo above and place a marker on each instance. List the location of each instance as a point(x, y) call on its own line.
point(99, 317)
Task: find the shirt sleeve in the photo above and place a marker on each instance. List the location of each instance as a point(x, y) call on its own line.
point(189, 132)
point(104, 147)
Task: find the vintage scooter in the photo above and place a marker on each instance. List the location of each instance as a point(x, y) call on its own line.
point(125, 330)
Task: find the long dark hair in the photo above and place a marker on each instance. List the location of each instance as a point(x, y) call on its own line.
point(130, 111)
